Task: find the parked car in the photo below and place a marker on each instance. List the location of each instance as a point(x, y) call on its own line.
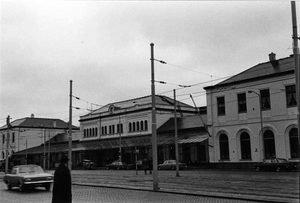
point(275, 164)
point(88, 164)
point(171, 165)
point(138, 164)
point(28, 176)
point(116, 165)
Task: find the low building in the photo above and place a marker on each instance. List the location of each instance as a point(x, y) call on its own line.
point(29, 132)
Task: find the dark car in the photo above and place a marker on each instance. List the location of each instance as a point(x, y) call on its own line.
point(275, 164)
point(138, 165)
point(28, 176)
point(88, 164)
point(171, 165)
point(116, 165)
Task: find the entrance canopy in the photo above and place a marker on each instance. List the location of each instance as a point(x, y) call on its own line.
point(136, 141)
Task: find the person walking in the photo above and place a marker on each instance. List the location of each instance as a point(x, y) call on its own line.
point(150, 165)
point(145, 165)
point(62, 190)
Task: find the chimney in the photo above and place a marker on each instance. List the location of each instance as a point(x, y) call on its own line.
point(272, 58)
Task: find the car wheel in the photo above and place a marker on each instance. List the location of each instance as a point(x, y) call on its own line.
point(278, 169)
point(107, 168)
point(21, 187)
point(9, 187)
point(47, 187)
point(172, 168)
point(159, 168)
point(257, 168)
point(118, 168)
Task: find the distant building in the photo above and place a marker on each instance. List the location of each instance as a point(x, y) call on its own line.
point(253, 115)
point(29, 132)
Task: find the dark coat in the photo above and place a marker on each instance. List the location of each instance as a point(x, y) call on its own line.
point(62, 191)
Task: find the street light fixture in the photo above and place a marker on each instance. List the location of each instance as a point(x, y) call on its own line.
point(260, 111)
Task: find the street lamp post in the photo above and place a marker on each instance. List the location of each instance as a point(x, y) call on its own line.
point(154, 138)
point(260, 111)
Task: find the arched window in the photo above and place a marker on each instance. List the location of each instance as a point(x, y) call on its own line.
point(146, 125)
point(84, 133)
point(294, 144)
point(130, 127)
point(96, 131)
point(245, 146)
point(105, 130)
point(142, 125)
point(224, 147)
point(269, 144)
point(133, 126)
point(3, 155)
point(121, 128)
point(137, 126)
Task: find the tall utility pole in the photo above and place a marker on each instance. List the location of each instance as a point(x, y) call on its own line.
point(70, 130)
point(176, 135)
point(154, 138)
point(297, 71)
point(7, 144)
point(120, 141)
point(48, 150)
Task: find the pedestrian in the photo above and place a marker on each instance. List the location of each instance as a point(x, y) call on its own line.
point(62, 191)
point(145, 165)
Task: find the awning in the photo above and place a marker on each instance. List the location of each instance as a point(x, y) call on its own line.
point(136, 141)
point(195, 139)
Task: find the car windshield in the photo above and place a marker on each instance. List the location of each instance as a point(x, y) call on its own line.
point(282, 161)
point(31, 169)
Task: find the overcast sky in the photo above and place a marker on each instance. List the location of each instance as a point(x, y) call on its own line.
point(104, 47)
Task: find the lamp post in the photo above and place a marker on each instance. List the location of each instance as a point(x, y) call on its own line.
point(260, 111)
point(154, 138)
point(176, 135)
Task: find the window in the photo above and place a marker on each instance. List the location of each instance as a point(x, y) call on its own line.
point(269, 144)
point(146, 125)
point(294, 144)
point(224, 147)
point(242, 105)
point(245, 146)
point(3, 138)
point(130, 127)
point(265, 99)
point(137, 126)
point(142, 125)
point(84, 133)
point(291, 98)
point(221, 106)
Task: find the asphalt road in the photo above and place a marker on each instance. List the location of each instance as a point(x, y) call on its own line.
point(88, 194)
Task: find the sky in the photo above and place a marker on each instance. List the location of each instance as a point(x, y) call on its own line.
point(104, 48)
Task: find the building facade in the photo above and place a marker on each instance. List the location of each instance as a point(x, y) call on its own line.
point(28, 132)
point(253, 115)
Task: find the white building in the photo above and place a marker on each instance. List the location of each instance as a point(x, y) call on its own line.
point(29, 132)
point(253, 115)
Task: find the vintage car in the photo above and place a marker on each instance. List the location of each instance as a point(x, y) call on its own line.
point(171, 165)
point(28, 176)
point(88, 164)
point(275, 164)
point(116, 165)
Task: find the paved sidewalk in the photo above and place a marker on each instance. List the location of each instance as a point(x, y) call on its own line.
point(251, 186)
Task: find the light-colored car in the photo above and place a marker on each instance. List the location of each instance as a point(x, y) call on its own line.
point(171, 165)
point(116, 165)
point(28, 176)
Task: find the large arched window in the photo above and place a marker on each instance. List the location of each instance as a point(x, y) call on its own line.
point(224, 147)
point(245, 146)
point(269, 144)
point(294, 144)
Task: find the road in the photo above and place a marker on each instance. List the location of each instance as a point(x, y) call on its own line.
point(88, 194)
